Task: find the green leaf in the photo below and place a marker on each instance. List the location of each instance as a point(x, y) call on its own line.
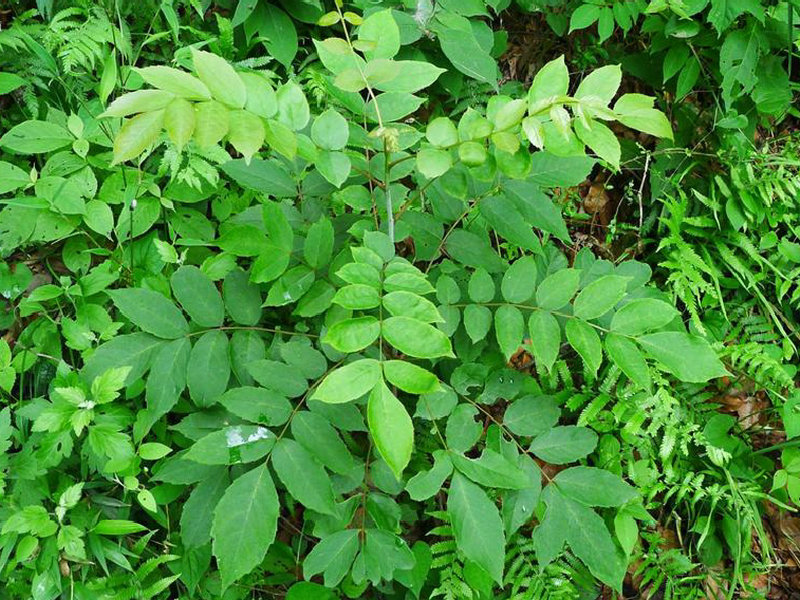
point(425, 484)
point(460, 46)
point(242, 299)
point(408, 304)
point(198, 296)
point(564, 444)
point(232, 445)
point(349, 382)
point(257, 405)
point(504, 216)
point(245, 522)
point(166, 381)
point(433, 162)
point(600, 296)
point(117, 527)
point(391, 428)
point(12, 178)
point(198, 511)
point(211, 123)
point(415, 338)
point(509, 328)
point(643, 314)
point(556, 290)
point(381, 30)
point(245, 132)
point(179, 120)
point(586, 342)
point(688, 357)
point(594, 487)
point(134, 350)
point(519, 505)
point(636, 111)
point(318, 436)
point(491, 469)
point(150, 311)
point(332, 556)
point(352, 335)
point(140, 101)
point(174, 81)
point(477, 526)
point(412, 76)
point(222, 81)
point(319, 244)
point(293, 108)
point(481, 286)
point(519, 281)
point(137, 134)
point(441, 132)
point(583, 17)
point(278, 376)
point(627, 356)
point(409, 377)
point(334, 166)
point(265, 176)
point(531, 415)
point(473, 251)
point(35, 137)
point(303, 476)
point(10, 82)
point(477, 321)
point(209, 368)
point(261, 98)
point(600, 86)
point(550, 82)
point(590, 540)
point(357, 296)
point(330, 131)
point(600, 139)
point(277, 33)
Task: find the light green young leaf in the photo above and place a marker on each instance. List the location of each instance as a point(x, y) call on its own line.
point(136, 135)
point(139, 101)
point(245, 132)
point(352, 335)
point(409, 377)
point(179, 121)
point(349, 382)
point(408, 304)
point(415, 338)
point(35, 137)
point(381, 29)
point(550, 82)
point(218, 75)
point(636, 111)
point(174, 81)
point(211, 123)
point(330, 131)
point(425, 484)
point(391, 428)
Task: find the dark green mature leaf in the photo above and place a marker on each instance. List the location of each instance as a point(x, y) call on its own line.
point(332, 556)
point(278, 376)
point(303, 476)
point(198, 511)
point(491, 469)
point(477, 526)
point(425, 484)
point(531, 415)
point(242, 299)
point(519, 281)
point(35, 137)
point(166, 382)
point(459, 44)
point(643, 314)
point(686, 356)
point(564, 444)
point(245, 522)
point(627, 356)
point(209, 368)
point(509, 327)
point(318, 436)
point(232, 445)
point(545, 335)
point(151, 312)
point(264, 176)
point(198, 296)
point(257, 405)
point(134, 350)
point(594, 487)
point(473, 251)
